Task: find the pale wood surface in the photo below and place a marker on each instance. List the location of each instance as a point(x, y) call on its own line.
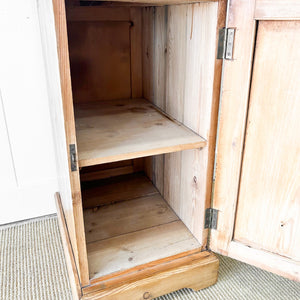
point(55, 48)
point(126, 216)
point(136, 52)
point(277, 10)
point(232, 118)
point(133, 232)
point(69, 256)
point(178, 72)
point(123, 129)
point(269, 194)
point(266, 260)
point(142, 271)
point(234, 102)
point(116, 189)
point(196, 271)
point(212, 134)
point(139, 247)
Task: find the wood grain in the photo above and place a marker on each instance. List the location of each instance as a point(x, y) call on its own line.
point(56, 57)
point(277, 10)
point(234, 102)
point(270, 180)
point(69, 256)
point(212, 134)
point(136, 52)
point(116, 189)
point(98, 13)
point(126, 217)
point(140, 130)
point(181, 61)
point(196, 271)
point(145, 270)
point(109, 170)
point(94, 63)
point(266, 260)
point(139, 247)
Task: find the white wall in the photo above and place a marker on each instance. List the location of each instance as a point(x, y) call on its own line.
point(27, 164)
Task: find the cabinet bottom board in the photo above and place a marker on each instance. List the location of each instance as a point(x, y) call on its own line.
point(131, 233)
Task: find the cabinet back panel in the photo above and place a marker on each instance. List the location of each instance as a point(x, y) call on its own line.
point(100, 60)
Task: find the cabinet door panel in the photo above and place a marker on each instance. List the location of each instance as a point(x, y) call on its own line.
point(268, 211)
point(257, 182)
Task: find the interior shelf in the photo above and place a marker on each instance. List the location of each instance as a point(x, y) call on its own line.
point(114, 130)
point(134, 232)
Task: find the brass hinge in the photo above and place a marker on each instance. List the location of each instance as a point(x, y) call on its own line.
point(73, 160)
point(211, 218)
point(225, 43)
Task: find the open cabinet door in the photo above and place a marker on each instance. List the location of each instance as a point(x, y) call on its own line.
point(257, 176)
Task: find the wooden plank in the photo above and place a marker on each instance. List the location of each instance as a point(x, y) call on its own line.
point(147, 55)
point(68, 251)
point(277, 10)
point(182, 59)
point(234, 102)
point(147, 68)
point(175, 83)
point(55, 50)
point(197, 113)
point(212, 134)
point(268, 215)
point(126, 217)
point(103, 171)
point(137, 248)
point(141, 131)
point(194, 271)
point(116, 189)
point(136, 52)
point(111, 169)
point(98, 13)
point(94, 63)
point(271, 262)
point(138, 272)
point(190, 47)
point(159, 83)
point(106, 173)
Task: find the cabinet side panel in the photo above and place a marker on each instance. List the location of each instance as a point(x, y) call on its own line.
point(63, 125)
point(182, 61)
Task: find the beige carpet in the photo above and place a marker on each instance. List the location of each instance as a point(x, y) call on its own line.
point(32, 267)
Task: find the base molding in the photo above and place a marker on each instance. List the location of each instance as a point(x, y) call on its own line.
point(70, 261)
point(200, 271)
point(193, 269)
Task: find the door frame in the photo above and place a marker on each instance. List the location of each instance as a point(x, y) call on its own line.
point(242, 15)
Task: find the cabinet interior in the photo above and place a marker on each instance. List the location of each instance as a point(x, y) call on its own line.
point(142, 83)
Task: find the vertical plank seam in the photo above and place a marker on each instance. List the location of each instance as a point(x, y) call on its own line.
point(256, 23)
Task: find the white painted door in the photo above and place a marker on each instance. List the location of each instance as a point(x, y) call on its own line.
point(27, 166)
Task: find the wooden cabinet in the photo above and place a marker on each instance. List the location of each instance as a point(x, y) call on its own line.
point(134, 92)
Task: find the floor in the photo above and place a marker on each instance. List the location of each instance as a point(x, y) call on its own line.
point(32, 267)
